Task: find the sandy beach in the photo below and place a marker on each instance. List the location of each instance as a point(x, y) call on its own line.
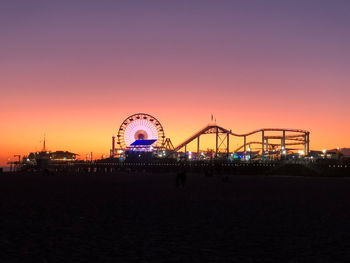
point(146, 218)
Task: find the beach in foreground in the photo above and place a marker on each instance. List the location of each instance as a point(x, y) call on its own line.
point(147, 218)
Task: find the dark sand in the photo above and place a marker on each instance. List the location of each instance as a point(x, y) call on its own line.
point(145, 218)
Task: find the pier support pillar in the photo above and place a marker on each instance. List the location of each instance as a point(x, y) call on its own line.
point(228, 145)
point(217, 142)
point(267, 144)
point(198, 148)
point(245, 144)
point(262, 146)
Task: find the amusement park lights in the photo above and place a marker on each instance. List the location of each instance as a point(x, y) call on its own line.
point(142, 132)
point(140, 126)
point(301, 152)
point(324, 151)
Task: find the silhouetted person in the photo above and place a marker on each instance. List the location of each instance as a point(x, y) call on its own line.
point(181, 177)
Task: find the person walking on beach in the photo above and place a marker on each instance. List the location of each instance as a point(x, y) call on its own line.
point(181, 177)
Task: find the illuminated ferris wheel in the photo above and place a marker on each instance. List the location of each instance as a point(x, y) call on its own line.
point(140, 126)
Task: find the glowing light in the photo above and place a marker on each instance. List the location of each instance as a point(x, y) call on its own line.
point(301, 152)
point(324, 151)
point(144, 126)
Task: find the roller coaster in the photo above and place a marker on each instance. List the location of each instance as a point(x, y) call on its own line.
point(222, 140)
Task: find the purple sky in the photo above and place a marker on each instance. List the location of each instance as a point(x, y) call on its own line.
point(287, 58)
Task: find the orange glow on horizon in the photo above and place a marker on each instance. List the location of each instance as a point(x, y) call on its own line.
point(74, 71)
point(92, 132)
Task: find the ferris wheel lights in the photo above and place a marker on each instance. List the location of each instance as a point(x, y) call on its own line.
point(140, 126)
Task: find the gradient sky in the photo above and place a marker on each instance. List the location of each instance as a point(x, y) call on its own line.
point(75, 69)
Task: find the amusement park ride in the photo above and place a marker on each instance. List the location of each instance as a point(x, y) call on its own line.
point(141, 145)
point(143, 133)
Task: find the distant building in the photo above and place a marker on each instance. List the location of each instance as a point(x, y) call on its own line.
point(323, 155)
point(63, 156)
point(51, 156)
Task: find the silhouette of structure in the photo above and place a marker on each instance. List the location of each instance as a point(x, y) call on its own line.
point(222, 139)
point(144, 127)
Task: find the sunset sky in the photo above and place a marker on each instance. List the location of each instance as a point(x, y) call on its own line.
point(73, 70)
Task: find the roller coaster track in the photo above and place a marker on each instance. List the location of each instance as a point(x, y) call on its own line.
point(269, 129)
point(213, 128)
point(249, 143)
point(270, 145)
point(205, 130)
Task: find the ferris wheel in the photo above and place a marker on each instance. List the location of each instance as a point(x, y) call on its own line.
point(140, 126)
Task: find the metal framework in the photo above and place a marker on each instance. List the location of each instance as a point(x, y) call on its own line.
point(168, 145)
point(222, 139)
